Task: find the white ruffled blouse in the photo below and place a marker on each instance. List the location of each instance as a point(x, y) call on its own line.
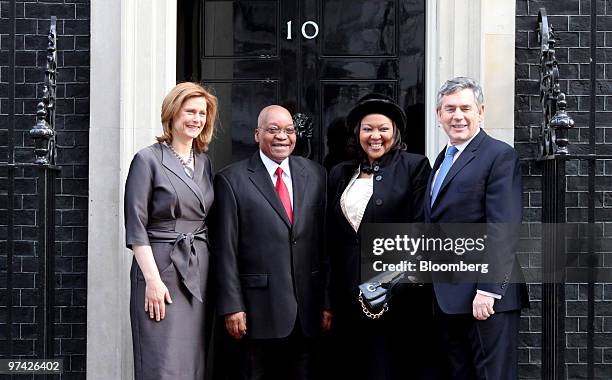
point(355, 198)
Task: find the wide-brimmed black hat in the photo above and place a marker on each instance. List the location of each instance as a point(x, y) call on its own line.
point(377, 103)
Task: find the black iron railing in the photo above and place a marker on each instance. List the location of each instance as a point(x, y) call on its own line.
point(555, 153)
point(45, 170)
point(553, 203)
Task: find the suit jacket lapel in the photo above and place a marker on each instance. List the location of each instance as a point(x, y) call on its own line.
point(299, 178)
point(466, 156)
point(199, 169)
point(171, 163)
point(201, 179)
point(261, 179)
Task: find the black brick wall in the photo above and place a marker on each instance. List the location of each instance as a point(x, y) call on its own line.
point(72, 124)
point(572, 23)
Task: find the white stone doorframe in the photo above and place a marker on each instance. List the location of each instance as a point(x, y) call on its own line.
point(133, 50)
point(133, 65)
point(472, 38)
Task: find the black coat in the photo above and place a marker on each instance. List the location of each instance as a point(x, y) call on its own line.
point(400, 181)
point(401, 345)
point(264, 265)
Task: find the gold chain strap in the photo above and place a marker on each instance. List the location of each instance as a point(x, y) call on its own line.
point(367, 312)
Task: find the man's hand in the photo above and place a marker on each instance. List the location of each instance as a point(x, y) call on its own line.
point(482, 307)
point(236, 324)
point(326, 321)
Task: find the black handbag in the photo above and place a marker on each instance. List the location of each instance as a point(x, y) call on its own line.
point(375, 294)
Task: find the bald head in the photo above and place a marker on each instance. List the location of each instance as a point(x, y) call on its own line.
point(270, 110)
point(271, 133)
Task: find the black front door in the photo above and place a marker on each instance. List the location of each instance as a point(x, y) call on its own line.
point(316, 57)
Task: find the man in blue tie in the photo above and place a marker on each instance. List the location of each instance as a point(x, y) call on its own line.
point(477, 179)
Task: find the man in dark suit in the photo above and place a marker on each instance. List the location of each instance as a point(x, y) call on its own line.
point(268, 252)
point(477, 179)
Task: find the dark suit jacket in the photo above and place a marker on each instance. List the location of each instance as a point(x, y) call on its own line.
point(399, 187)
point(482, 186)
point(264, 265)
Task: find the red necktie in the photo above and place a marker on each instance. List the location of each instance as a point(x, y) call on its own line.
point(283, 193)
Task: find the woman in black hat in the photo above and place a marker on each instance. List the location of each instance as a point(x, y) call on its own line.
point(385, 185)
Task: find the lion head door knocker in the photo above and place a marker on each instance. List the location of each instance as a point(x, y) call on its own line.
point(304, 132)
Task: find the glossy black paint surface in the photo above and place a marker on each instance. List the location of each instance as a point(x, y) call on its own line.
point(362, 46)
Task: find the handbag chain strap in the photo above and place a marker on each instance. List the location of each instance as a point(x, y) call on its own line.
point(367, 312)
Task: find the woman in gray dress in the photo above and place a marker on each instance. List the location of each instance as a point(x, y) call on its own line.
point(167, 197)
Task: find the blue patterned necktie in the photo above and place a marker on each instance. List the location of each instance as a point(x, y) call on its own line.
point(444, 168)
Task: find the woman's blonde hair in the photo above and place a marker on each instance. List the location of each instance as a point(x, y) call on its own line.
point(172, 104)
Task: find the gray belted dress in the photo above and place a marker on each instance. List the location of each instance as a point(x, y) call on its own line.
point(166, 209)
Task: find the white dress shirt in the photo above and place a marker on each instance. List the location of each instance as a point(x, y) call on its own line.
point(271, 167)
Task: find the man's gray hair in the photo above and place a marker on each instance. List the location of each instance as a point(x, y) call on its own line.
point(457, 84)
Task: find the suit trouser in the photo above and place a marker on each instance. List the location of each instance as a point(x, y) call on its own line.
point(284, 358)
point(483, 350)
